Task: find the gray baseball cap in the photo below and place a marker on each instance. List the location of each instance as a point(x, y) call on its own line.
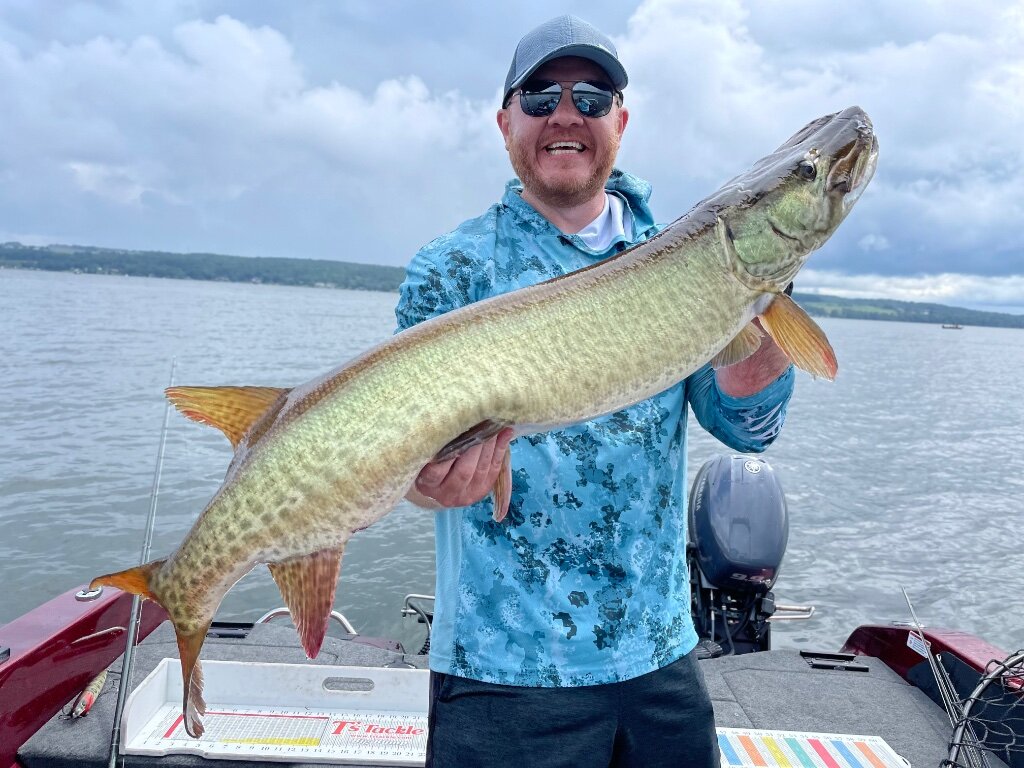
point(563, 36)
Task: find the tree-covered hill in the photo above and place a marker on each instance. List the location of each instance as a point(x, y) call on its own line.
point(905, 311)
point(202, 266)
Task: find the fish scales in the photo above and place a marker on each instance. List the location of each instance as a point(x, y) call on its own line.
point(319, 462)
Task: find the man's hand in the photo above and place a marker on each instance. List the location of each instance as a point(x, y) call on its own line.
point(750, 376)
point(463, 480)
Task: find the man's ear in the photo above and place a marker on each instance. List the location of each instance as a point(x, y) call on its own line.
point(502, 118)
point(623, 119)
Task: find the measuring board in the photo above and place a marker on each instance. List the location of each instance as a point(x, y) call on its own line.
point(306, 735)
point(750, 748)
point(288, 712)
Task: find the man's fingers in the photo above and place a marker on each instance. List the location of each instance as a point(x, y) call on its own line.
point(483, 464)
point(434, 473)
point(468, 477)
point(501, 445)
point(464, 468)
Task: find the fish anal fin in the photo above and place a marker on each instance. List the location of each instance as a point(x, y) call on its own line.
point(475, 435)
point(307, 585)
point(233, 410)
point(193, 705)
point(135, 581)
point(502, 490)
point(746, 343)
point(800, 337)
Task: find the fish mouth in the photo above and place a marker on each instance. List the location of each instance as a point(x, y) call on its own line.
point(782, 234)
point(864, 170)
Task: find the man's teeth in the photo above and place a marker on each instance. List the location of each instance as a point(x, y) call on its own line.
point(563, 147)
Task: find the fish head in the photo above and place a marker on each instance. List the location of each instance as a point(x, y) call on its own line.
point(790, 202)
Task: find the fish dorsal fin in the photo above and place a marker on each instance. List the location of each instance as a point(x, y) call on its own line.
point(307, 585)
point(746, 343)
point(800, 337)
point(503, 487)
point(233, 410)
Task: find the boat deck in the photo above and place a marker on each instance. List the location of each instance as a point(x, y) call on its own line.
point(779, 690)
point(772, 690)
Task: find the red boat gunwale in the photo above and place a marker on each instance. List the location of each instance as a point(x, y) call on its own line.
point(888, 642)
point(56, 649)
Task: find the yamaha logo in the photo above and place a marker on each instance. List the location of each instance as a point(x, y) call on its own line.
point(753, 467)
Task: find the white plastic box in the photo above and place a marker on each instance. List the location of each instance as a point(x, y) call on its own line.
point(286, 712)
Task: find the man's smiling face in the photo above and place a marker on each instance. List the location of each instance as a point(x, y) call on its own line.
point(563, 159)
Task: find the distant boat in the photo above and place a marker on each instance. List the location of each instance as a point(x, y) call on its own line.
point(953, 326)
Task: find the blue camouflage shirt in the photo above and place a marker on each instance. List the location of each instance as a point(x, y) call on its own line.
point(585, 581)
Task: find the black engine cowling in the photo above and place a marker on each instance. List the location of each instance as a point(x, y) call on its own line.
point(738, 530)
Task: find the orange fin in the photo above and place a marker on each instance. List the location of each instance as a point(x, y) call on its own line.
point(231, 409)
point(307, 584)
point(192, 705)
point(503, 487)
point(746, 343)
point(800, 337)
point(480, 433)
point(134, 580)
point(138, 581)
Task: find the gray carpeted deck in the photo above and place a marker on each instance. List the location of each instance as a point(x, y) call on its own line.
point(780, 691)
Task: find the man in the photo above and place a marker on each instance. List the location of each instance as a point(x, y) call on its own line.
point(562, 635)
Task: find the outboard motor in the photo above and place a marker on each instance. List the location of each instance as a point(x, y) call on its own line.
point(738, 530)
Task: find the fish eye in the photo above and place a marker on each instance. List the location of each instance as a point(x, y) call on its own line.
point(807, 170)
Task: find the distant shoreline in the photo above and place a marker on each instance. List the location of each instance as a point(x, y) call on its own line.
point(321, 273)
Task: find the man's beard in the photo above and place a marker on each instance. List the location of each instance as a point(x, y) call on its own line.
point(565, 193)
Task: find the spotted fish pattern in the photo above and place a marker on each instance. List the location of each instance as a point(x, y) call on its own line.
point(585, 581)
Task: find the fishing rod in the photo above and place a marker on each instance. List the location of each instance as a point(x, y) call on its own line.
point(136, 613)
point(975, 757)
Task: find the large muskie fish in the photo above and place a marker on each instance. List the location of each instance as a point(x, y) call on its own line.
point(316, 463)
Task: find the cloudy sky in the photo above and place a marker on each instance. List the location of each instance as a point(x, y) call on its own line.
point(359, 130)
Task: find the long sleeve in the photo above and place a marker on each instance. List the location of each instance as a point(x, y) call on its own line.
point(742, 423)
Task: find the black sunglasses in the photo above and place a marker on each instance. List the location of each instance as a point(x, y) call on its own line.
point(539, 98)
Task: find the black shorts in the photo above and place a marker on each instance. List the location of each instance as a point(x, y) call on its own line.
point(663, 718)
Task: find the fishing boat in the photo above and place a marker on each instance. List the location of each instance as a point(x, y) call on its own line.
point(893, 694)
point(952, 326)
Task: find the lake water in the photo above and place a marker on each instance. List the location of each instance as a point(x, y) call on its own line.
point(908, 470)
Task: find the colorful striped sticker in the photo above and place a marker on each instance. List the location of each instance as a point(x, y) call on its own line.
point(754, 748)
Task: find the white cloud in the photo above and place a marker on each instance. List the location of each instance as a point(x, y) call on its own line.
point(945, 288)
point(873, 242)
point(322, 131)
point(712, 94)
point(117, 183)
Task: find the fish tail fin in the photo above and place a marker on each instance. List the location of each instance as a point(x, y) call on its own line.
point(139, 581)
point(193, 704)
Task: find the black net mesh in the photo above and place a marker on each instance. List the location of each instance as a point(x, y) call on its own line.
point(992, 723)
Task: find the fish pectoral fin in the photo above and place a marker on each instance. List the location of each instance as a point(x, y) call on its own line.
point(800, 337)
point(307, 585)
point(502, 490)
point(746, 343)
point(193, 705)
point(233, 410)
point(475, 435)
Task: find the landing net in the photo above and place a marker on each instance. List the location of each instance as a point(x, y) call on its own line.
point(991, 720)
